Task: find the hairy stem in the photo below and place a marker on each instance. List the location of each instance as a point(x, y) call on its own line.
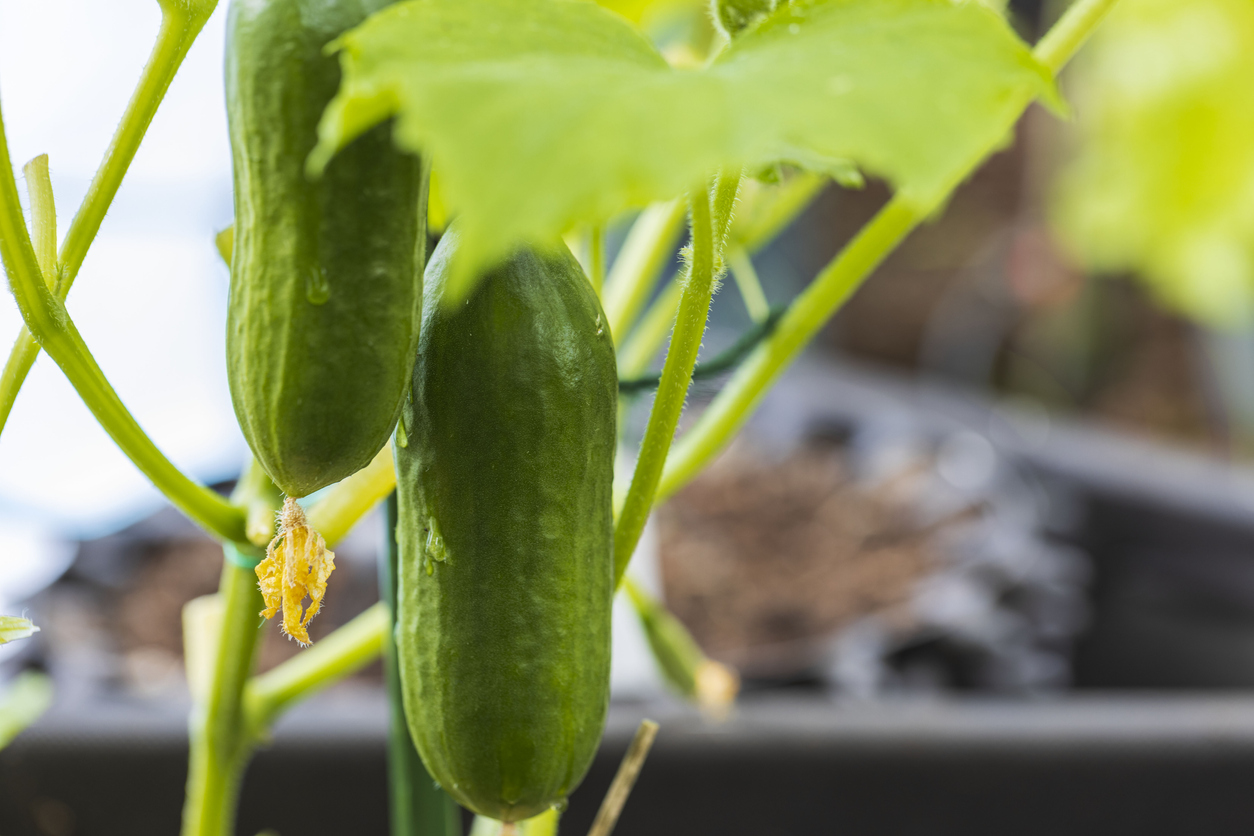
point(805, 316)
point(732, 407)
point(643, 344)
point(694, 307)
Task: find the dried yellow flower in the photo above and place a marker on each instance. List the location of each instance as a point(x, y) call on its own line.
point(297, 564)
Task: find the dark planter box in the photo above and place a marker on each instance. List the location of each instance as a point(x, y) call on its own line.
point(782, 766)
point(1171, 537)
point(1170, 533)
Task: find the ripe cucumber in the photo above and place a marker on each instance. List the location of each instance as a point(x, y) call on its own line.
point(326, 287)
point(505, 533)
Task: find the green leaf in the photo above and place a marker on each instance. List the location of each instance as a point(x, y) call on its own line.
point(543, 115)
point(1162, 181)
point(638, 10)
point(27, 698)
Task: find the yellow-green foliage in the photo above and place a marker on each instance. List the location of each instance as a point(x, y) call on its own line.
point(1162, 183)
point(600, 122)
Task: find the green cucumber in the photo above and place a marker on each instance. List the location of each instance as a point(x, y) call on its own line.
point(326, 288)
point(505, 533)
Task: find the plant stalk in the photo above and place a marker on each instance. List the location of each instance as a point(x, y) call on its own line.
point(220, 744)
point(694, 308)
point(748, 283)
point(342, 653)
point(596, 258)
point(181, 22)
point(350, 500)
point(845, 274)
point(46, 317)
point(648, 246)
point(418, 807)
point(43, 216)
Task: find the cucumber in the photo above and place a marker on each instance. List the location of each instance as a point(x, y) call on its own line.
point(326, 275)
point(505, 533)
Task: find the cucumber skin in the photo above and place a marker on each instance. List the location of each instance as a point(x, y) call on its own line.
point(505, 645)
point(317, 388)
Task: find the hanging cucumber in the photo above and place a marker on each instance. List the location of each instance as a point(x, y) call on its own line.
point(505, 533)
point(326, 290)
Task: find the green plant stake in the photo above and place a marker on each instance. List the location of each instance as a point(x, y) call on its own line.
point(418, 806)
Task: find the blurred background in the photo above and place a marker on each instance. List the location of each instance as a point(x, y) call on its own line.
point(1015, 468)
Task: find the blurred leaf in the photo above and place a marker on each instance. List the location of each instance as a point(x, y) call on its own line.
point(13, 628)
point(541, 115)
point(639, 10)
point(1162, 183)
point(28, 697)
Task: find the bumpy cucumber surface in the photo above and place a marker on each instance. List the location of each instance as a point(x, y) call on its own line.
point(505, 533)
point(326, 277)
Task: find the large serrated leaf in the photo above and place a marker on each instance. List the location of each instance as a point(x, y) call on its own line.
point(540, 115)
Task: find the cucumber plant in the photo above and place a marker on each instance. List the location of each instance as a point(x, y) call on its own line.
point(540, 119)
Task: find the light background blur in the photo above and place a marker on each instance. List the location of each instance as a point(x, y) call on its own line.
point(150, 299)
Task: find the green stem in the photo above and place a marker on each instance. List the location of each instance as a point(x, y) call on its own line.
point(694, 307)
point(1066, 36)
point(806, 315)
point(418, 806)
point(677, 654)
point(596, 258)
point(781, 208)
point(344, 652)
point(643, 344)
point(648, 246)
point(346, 503)
point(220, 746)
point(723, 204)
point(261, 500)
point(748, 283)
point(181, 22)
point(43, 216)
point(47, 318)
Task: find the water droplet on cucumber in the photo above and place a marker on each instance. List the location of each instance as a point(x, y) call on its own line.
point(317, 288)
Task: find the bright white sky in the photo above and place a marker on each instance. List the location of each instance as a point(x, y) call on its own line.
point(150, 299)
